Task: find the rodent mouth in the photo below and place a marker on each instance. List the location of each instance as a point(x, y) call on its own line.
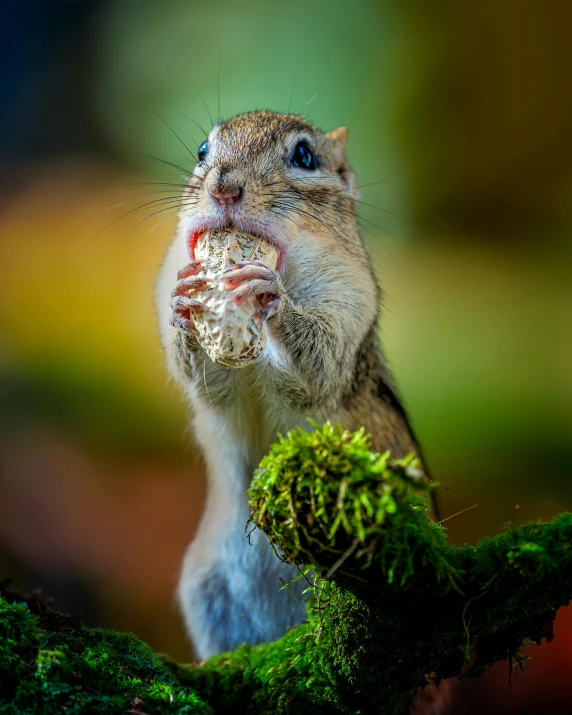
point(252, 229)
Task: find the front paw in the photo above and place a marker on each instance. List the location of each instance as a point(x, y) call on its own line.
point(254, 279)
point(182, 297)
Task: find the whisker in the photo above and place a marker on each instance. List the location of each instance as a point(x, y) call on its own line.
point(391, 178)
point(174, 174)
point(362, 218)
point(175, 210)
point(148, 193)
point(294, 207)
point(218, 88)
point(379, 208)
point(297, 210)
point(315, 181)
point(293, 86)
point(154, 183)
point(206, 105)
point(155, 202)
point(186, 172)
point(196, 124)
point(349, 212)
point(341, 194)
point(123, 234)
point(176, 135)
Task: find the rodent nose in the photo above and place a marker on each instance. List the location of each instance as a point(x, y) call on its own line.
point(226, 197)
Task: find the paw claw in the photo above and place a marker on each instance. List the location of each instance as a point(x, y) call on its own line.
point(183, 323)
point(266, 299)
point(191, 269)
point(189, 284)
point(181, 302)
point(251, 278)
point(242, 272)
point(188, 325)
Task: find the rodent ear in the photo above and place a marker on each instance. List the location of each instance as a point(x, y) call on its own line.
point(339, 138)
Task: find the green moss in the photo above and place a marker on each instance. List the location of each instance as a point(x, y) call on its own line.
point(407, 603)
point(393, 602)
point(324, 499)
point(288, 676)
point(51, 663)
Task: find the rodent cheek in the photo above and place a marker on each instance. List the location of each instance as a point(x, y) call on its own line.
point(254, 203)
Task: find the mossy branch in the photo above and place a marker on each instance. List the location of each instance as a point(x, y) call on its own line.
point(50, 663)
point(393, 601)
point(400, 601)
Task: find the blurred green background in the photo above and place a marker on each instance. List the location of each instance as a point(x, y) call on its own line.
point(459, 119)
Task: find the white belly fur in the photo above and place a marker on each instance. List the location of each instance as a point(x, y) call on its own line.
point(230, 585)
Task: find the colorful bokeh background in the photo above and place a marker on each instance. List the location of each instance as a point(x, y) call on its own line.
point(459, 116)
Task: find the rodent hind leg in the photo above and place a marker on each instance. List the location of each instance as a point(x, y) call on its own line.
point(207, 604)
point(238, 597)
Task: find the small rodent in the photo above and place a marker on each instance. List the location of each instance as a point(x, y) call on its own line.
point(277, 176)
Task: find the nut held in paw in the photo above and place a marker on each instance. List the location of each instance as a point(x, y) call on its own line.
point(231, 335)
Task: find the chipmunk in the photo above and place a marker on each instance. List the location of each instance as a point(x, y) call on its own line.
point(278, 177)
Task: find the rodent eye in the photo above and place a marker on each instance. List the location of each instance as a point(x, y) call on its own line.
point(303, 157)
point(203, 150)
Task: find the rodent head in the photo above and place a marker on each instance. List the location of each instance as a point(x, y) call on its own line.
point(277, 176)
